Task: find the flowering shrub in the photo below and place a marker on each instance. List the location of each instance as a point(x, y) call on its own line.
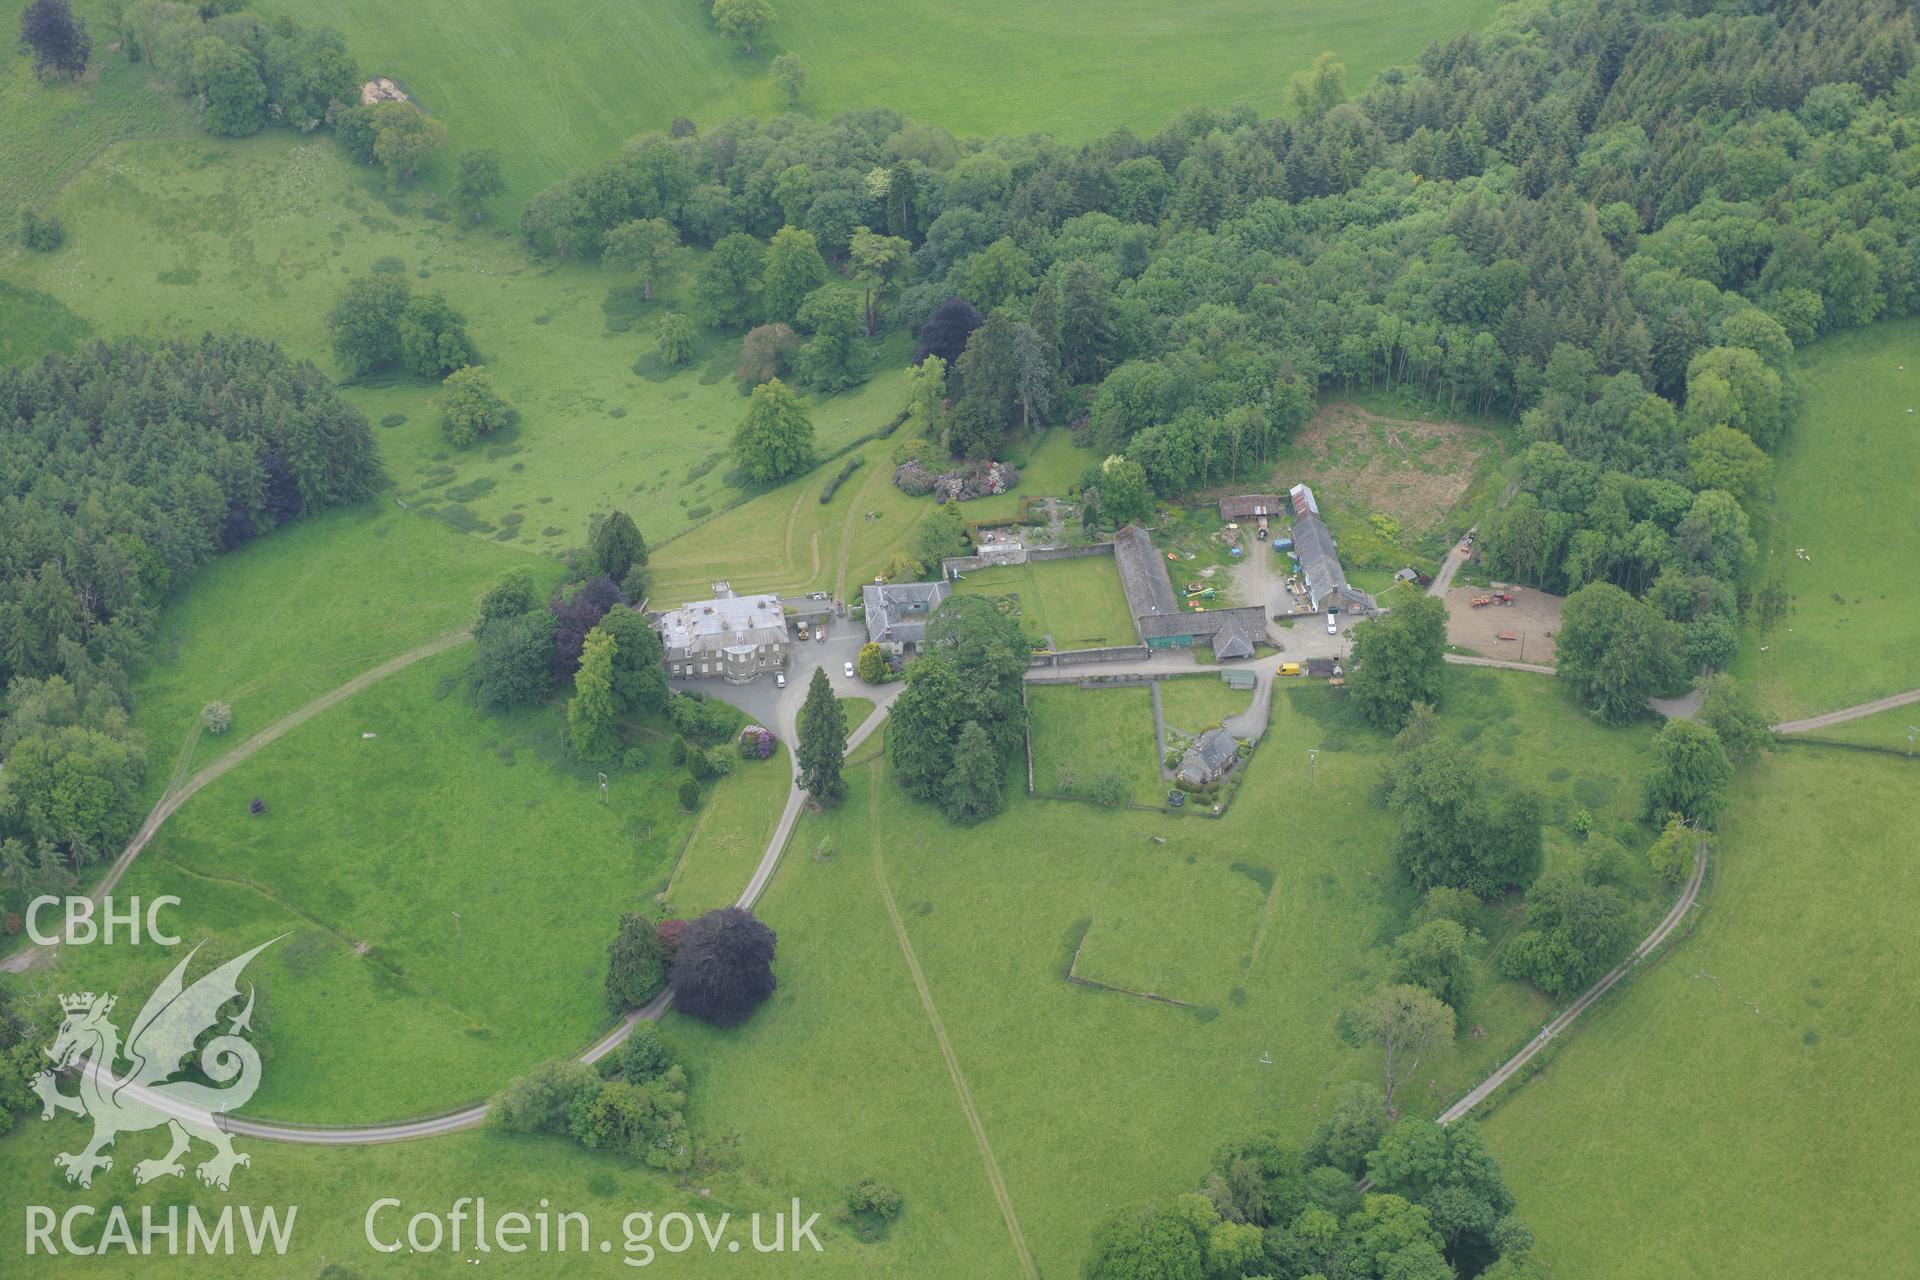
point(974, 480)
point(756, 742)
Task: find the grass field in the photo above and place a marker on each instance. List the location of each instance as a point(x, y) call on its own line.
point(1076, 603)
point(259, 236)
point(1729, 1113)
point(368, 849)
point(1888, 730)
point(1843, 492)
point(729, 835)
point(282, 620)
point(1197, 703)
point(55, 129)
point(1090, 732)
point(558, 88)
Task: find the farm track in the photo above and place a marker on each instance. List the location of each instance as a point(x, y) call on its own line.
point(175, 796)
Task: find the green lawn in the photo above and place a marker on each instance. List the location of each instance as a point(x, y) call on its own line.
point(730, 834)
point(1077, 602)
point(1049, 467)
point(1843, 496)
point(368, 849)
point(1736, 1111)
point(282, 620)
point(1887, 729)
point(1090, 732)
point(333, 1188)
point(1197, 703)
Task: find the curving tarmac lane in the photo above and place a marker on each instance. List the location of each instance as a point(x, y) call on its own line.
point(471, 1116)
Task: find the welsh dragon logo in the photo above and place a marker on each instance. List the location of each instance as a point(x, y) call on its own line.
point(169, 1027)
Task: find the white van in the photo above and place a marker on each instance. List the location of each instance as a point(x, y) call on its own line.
point(1332, 627)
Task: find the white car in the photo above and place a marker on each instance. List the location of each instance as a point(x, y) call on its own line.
point(779, 679)
point(848, 668)
point(1332, 624)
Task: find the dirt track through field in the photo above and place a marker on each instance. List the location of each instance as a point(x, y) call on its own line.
point(175, 796)
point(994, 1178)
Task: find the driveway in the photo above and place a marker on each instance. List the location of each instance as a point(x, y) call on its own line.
point(779, 709)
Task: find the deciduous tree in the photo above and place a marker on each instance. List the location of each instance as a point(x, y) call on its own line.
point(775, 439)
point(471, 407)
point(1688, 772)
point(57, 40)
point(724, 966)
point(591, 713)
point(1403, 1022)
point(1398, 660)
point(477, 180)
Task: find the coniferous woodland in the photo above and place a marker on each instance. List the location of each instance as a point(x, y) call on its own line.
point(122, 469)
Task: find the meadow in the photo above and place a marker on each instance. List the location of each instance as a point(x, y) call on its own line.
point(1840, 536)
point(729, 835)
point(562, 86)
point(1728, 1113)
point(1086, 733)
point(280, 621)
point(1069, 604)
point(449, 880)
point(259, 236)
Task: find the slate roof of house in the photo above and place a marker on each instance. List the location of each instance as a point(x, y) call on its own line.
point(726, 622)
point(1142, 576)
point(1209, 756)
point(1232, 632)
point(1320, 562)
point(889, 617)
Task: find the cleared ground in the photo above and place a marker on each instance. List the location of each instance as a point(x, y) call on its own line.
point(1730, 1113)
point(1533, 618)
point(1393, 489)
point(1843, 539)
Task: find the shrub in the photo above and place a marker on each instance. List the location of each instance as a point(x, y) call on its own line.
point(872, 663)
point(643, 1056)
point(636, 971)
point(689, 794)
point(846, 471)
point(677, 752)
point(217, 717)
point(870, 1199)
point(633, 758)
point(756, 742)
point(41, 233)
point(699, 764)
point(1109, 789)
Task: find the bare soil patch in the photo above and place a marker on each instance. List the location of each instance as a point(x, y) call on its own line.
point(1533, 619)
point(1415, 472)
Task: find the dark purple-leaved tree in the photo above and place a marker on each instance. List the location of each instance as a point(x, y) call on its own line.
point(578, 614)
point(57, 40)
point(946, 331)
point(723, 968)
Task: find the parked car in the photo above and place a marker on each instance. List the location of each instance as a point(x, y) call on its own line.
point(779, 679)
point(820, 633)
point(1332, 619)
point(848, 667)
